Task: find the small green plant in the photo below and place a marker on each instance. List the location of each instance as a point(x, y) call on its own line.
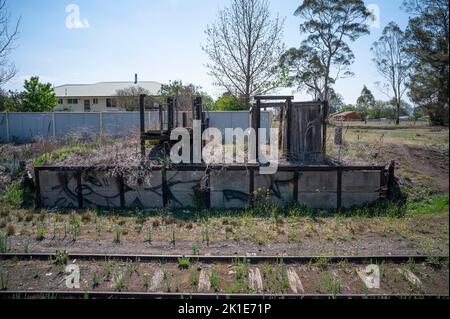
point(15, 194)
point(329, 284)
point(146, 280)
point(95, 280)
point(293, 237)
point(241, 269)
point(40, 231)
point(427, 250)
point(173, 236)
point(119, 280)
point(260, 241)
point(148, 236)
point(117, 235)
point(183, 262)
point(194, 276)
point(4, 278)
point(107, 270)
point(321, 262)
point(214, 280)
point(75, 230)
point(206, 235)
point(4, 243)
point(309, 229)
point(61, 257)
point(140, 221)
point(196, 248)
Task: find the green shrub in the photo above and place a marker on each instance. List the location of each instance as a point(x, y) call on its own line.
point(15, 194)
point(183, 262)
point(60, 154)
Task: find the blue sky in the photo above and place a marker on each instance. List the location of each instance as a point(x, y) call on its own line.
point(158, 39)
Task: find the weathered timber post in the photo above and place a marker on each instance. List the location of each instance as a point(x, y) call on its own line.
point(324, 127)
point(338, 135)
point(142, 114)
point(391, 178)
point(161, 117)
point(256, 122)
point(170, 107)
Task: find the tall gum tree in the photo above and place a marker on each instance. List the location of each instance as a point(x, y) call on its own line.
point(328, 24)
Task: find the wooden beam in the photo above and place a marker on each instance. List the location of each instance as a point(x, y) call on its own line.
point(273, 97)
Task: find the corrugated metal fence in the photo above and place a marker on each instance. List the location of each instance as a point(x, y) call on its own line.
point(24, 127)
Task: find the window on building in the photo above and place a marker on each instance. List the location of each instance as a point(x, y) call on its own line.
point(60, 102)
point(87, 105)
point(72, 101)
point(111, 103)
point(95, 101)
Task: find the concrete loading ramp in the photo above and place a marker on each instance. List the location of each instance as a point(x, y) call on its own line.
point(317, 187)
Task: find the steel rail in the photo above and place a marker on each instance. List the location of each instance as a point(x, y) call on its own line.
point(210, 259)
point(152, 295)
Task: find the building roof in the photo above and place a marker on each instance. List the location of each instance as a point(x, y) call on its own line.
point(103, 88)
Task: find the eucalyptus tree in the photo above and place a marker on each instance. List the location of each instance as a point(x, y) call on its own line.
point(393, 64)
point(324, 55)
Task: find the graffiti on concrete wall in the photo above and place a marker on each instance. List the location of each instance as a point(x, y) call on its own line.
point(198, 189)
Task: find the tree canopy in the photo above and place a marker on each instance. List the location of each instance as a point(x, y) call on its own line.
point(324, 56)
point(128, 99)
point(37, 96)
point(364, 102)
point(427, 43)
point(392, 63)
point(228, 102)
point(185, 93)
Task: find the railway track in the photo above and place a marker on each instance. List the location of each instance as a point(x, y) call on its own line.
point(335, 277)
point(206, 259)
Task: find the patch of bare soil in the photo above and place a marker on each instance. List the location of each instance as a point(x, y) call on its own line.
point(369, 246)
point(424, 167)
point(419, 167)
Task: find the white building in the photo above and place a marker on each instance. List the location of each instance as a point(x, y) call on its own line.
point(98, 97)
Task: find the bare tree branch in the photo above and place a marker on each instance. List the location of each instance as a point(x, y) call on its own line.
point(244, 46)
point(7, 40)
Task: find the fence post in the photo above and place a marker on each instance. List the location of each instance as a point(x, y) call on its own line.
point(53, 125)
point(391, 178)
point(101, 123)
point(7, 127)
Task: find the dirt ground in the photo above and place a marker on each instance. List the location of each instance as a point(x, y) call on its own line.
point(421, 153)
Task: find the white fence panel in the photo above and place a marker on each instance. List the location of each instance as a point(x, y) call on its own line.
point(24, 127)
